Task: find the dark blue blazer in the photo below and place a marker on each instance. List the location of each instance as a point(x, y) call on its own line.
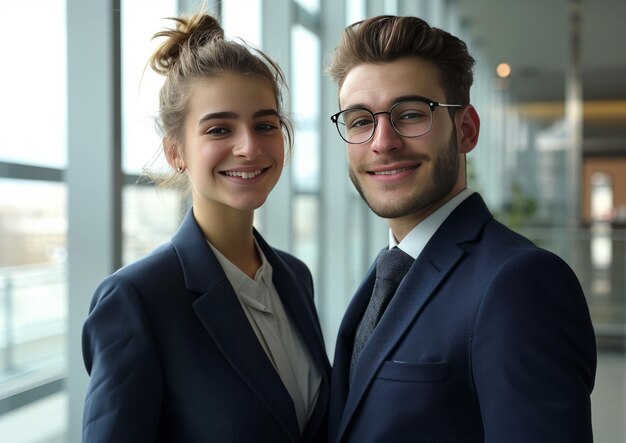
point(173, 358)
point(488, 338)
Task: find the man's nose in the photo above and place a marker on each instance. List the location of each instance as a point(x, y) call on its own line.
point(385, 138)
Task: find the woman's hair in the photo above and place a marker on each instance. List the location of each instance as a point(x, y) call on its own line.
point(194, 50)
point(384, 39)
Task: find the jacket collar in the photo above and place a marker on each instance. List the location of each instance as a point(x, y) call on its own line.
point(439, 256)
point(220, 311)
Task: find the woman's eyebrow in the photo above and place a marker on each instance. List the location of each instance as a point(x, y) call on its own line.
point(233, 115)
point(216, 115)
point(265, 113)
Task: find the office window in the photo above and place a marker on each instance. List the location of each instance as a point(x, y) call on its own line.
point(312, 6)
point(305, 86)
point(149, 216)
point(306, 231)
point(33, 283)
point(33, 200)
point(33, 83)
point(141, 19)
point(305, 162)
point(358, 257)
point(239, 25)
point(355, 11)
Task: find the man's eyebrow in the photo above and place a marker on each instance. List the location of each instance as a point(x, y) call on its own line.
point(402, 98)
point(406, 98)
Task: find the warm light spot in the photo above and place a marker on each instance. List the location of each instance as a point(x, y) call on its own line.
point(503, 70)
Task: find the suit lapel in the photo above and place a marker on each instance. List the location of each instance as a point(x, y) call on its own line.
point(343, 349)
point(221, 313)
point(292, 295)
point(416, 288)
point(301, 311)
point(438, 258)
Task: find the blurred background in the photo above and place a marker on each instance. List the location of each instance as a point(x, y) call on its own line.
point(77, 133)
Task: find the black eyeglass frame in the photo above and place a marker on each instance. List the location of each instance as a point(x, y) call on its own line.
point(431, 104)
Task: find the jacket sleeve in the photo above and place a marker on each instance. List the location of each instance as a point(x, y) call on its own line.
point(533, 353)
point(124, 394)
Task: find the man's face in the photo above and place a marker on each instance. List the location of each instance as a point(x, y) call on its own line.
point(400, 177)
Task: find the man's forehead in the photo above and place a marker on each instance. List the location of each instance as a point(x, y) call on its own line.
point(382, 84)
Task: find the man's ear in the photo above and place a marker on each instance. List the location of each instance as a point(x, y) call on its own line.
point(173, 153)
point(467, 128)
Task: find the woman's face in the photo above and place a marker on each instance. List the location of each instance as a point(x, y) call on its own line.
point(234, 148)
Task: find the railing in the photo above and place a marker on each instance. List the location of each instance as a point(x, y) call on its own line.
point(598, 257)
point(33, 329)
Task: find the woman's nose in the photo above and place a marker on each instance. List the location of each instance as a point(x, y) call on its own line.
point(247, 146)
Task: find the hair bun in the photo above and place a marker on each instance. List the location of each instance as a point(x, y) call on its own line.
point(190, 33)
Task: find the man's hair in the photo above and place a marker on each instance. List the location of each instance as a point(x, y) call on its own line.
point(386, 38)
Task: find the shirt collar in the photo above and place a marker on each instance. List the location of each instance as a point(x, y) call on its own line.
point(237, 278)
point(416, 239)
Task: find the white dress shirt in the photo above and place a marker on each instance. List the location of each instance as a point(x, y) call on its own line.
point(416, 239)
point(276, 333)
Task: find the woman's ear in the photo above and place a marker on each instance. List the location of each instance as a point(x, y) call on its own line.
point(467, 128)
point(173, 154)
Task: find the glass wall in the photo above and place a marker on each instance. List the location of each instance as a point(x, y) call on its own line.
point(305, 161)
point(149, 216)
point(33, 202)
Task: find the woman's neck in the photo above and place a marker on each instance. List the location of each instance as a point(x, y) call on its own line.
point(230, 232)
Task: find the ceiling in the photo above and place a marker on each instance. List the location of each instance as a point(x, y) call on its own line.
point(533, 37)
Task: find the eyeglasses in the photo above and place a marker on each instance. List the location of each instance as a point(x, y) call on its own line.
point(410, 118)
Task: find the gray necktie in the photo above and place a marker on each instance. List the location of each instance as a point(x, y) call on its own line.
point(391, 267)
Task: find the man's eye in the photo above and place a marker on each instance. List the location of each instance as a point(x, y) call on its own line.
point(361, 122)
point(412, 115)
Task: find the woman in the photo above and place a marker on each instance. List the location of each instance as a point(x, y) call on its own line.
point(213, 336)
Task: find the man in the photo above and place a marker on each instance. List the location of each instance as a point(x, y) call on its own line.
point(488, 337)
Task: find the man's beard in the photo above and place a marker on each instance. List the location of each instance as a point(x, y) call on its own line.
point(445, 176)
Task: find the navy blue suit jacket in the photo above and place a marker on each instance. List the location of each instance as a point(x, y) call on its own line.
point(173, 358)
point(488, 338)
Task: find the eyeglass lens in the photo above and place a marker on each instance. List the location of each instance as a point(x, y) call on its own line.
point(409, 119)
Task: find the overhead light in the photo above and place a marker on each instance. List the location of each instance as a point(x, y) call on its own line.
point(503, 70)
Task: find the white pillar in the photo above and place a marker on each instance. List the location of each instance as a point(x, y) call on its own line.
point(93, 173)
point(334, 293)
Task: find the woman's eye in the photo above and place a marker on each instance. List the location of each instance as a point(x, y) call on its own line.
point(217, 130)
point(265, 127)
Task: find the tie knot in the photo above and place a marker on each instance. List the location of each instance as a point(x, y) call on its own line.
point(393, 264)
